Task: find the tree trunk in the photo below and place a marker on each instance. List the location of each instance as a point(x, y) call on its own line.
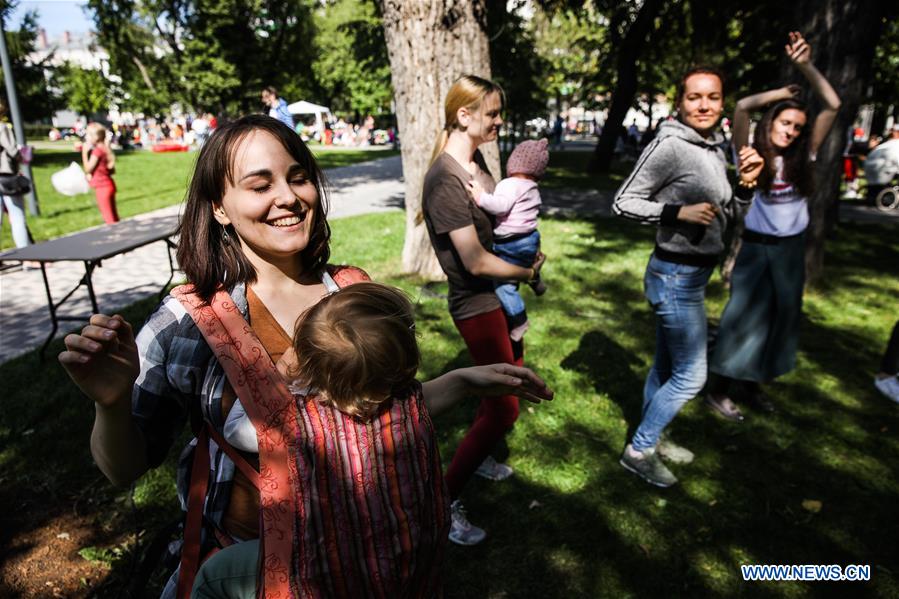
point(844, 35)
point(625, 83)
point(430, 44)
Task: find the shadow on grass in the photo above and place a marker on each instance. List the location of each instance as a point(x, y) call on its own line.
point(572, 522)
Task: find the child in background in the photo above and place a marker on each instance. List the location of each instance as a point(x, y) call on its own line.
point(887, 380)
point(376, 510)
point(99, 164)
point(516, 202)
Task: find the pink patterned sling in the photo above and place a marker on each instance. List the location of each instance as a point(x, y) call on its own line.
point(297, 485)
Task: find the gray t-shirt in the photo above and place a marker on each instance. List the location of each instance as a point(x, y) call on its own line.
point(447, 206)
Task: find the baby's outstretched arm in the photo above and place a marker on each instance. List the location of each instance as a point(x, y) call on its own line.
point(476, 191)
point(499, 202)
point(495, 379)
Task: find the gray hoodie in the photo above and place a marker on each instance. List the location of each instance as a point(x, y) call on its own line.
point(680, 167)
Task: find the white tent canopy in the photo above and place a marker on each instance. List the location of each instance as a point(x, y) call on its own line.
point(304, 107)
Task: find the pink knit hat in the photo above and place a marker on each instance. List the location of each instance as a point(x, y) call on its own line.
point(529, 158)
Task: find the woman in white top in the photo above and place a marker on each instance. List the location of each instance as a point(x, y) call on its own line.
point(759, 329)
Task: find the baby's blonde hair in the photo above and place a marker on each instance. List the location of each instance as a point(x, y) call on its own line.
point(357, 348)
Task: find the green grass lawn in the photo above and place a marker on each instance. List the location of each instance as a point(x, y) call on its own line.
point(145, 181)
point(572, 522)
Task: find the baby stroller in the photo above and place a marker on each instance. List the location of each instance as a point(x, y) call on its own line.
point(882, 174)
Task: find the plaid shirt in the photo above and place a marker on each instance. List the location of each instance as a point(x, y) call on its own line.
point(178, 370)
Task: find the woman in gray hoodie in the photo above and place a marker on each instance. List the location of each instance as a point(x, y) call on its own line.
point(680, 184)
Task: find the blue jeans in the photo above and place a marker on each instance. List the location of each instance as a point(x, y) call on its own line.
point(520, 252)
point(677, 295)
point(15, 205)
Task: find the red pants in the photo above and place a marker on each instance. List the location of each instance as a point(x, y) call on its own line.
point(487, 338)
point(850, 168)
point(106, 203)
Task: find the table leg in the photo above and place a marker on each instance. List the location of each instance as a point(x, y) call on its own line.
point(89, 266)
point(52, 307)
point(169, 245)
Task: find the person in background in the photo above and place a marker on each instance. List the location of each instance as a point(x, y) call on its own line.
point(14, 203)
point(277, 106)
point(461, 234)
point(98, 161)
point(680, 184)
point(759, 331)
point(886, 380)
point(200, 127)
point(558, 132)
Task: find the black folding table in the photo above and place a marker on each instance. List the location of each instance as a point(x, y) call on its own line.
point(92, 247)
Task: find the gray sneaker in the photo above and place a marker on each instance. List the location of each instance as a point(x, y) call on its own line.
point(672, 452)
point(649, 467)
point(493, 470)
point(463, 532)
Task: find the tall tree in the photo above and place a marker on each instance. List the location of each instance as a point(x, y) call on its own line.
point(639, 29)
point(86, 90)
point(206, 54)
point(571, 42)
point(351, 66)
point(141, 39)
point(844, 35)
point(885, 85)
point(430, 44)
point(515, 63)
point(35, 79)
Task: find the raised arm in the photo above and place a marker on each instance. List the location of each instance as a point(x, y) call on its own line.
point(88, 160)
point(103, 361)
point(499, 202)
point(745, 106)
point(482, 263)
point(800, 52)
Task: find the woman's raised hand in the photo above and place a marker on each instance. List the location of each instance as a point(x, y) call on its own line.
point(790, 91)
point(103, 359)
point(799, 50)
point(751, 164)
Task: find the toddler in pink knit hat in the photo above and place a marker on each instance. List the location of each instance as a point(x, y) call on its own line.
point(515, 203)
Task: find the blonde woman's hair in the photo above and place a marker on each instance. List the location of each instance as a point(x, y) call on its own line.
point(357, 349)
point(96, 132)
point(468, 91)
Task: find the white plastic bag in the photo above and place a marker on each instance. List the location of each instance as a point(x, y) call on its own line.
point(70, 181)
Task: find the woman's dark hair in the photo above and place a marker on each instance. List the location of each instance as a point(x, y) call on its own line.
point(207, 257)
point(697, 70)
point(797, 169)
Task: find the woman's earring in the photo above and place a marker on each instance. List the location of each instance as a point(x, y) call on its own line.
point(225, 237)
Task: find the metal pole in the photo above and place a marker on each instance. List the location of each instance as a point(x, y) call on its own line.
point(16, 116)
